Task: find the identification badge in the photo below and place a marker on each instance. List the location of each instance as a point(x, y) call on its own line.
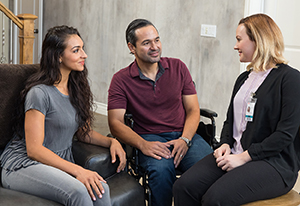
point(250, 108)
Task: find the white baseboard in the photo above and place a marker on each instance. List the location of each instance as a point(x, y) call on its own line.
point(100, 108)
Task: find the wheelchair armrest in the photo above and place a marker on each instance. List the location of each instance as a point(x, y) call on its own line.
point(208, 131)
point(211, 115)
point(208, 113)
point(95, 158)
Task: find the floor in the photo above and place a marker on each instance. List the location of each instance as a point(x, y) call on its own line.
point(101, 126)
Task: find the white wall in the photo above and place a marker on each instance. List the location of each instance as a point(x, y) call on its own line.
point(213, 63)
point(286, 14)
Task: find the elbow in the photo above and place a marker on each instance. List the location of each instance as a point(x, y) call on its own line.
point(113, 126)
point(117, 129)
point(32, 153)
point(113, 130)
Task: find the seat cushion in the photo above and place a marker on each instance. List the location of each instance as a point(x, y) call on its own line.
point(95, 158)
point(13, 198)
point(292, 198)
point(125, 190)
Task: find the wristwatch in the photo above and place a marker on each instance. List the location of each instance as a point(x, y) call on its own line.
point(187, 141)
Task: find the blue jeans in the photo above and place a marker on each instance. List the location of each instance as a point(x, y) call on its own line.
point(161, 173)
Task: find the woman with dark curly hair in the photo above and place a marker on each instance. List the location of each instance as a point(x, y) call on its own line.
point(56, 105)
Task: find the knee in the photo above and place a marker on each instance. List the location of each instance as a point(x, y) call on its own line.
point(161, 172)
point(182, 185)
point(186, 192)
point(106, 190)
point(212, 197)
point(161, 167)
point(79, 191)
point(79, 195)
point(178, 187)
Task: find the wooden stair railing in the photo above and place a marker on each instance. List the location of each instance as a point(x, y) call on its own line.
point(25, 22)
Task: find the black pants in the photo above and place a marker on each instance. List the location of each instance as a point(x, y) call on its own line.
point(206, 184)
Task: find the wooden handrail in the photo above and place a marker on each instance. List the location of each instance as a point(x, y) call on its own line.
point(26, 38)
point(25, 22)
point(11, 16)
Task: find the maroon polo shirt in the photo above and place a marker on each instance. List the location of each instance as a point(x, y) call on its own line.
point(156, 106)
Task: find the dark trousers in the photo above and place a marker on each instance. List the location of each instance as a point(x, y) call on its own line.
point(206, 184)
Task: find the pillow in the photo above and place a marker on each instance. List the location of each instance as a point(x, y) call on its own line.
point(12, 82)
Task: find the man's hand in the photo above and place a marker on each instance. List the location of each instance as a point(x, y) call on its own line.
point(179, 150)
point(156, 149)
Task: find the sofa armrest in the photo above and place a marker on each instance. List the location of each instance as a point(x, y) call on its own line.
point(95, 158)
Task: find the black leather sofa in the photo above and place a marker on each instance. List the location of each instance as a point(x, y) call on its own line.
point(124, 189)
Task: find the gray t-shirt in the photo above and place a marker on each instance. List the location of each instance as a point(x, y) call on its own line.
point(60, 127)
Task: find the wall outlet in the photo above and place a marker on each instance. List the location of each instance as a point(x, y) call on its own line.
point(208, 30)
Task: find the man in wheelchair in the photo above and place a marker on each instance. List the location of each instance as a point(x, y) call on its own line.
point(160, 94)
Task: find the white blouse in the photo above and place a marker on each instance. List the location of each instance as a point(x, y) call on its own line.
point(242, 97)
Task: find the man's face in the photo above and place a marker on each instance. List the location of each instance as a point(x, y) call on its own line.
point(148, 45)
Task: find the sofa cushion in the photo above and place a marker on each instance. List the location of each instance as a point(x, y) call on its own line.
point(95, 158)
point(12, 80)
point(13, 198)
point(125, 190)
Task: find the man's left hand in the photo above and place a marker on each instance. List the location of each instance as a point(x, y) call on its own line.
point(179, 150)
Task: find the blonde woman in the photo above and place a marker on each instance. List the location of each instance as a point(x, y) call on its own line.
point(259, 149)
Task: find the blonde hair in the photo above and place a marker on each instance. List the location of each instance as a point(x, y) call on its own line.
point(268, 39)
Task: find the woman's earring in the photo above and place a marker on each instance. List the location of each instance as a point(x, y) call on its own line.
point(60, 61)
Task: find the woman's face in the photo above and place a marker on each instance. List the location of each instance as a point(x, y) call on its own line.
point(73, 57)
point(244, 45)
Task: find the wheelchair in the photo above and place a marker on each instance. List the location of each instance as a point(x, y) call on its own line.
point(206, 130)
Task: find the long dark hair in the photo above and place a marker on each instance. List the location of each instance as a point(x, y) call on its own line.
point(80, 94)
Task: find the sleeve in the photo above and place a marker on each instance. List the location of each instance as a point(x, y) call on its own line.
point(37, 99)
point(226, 134)
point(188, 84)
point(116, 95)
point(288, 124)
point(227, 129)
